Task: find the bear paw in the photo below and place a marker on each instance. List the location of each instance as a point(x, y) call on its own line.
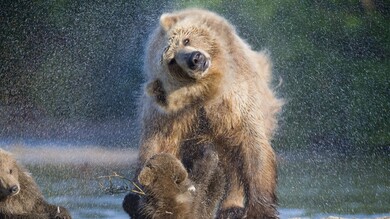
point(156, 90)
point(232, 213)
point(131, 205)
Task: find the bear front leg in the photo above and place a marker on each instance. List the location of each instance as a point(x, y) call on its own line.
point(156, 90)
point(210, 182)
point(171, 101)
point(232, 207)
point(259, 178)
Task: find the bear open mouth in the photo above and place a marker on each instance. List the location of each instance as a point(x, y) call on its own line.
point(177, 71)
point(205, 65)
point(189, 65)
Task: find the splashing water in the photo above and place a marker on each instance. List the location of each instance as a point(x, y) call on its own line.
point(70, 76)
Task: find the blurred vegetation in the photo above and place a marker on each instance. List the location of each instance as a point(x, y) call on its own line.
point(83, 60)
point(71, 58)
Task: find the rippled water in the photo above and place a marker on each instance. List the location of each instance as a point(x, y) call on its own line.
point(309, 186)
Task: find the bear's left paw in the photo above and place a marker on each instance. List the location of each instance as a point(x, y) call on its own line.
point(232, 213)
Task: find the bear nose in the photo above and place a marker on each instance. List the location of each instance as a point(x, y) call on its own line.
point(14, 190)
point(197, 61)
point(197, 57)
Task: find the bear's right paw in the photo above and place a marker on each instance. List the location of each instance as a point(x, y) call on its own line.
point(156, 90)
point(232, 213)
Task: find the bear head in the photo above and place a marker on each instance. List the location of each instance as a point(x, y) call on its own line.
point(188, 45)
point(165, 177)
point(9, 176)
point(188, 59)
point(187, 51)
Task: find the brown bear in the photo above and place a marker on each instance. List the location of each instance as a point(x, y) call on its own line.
point(171, 194)
point(205, 84)
point(20, 196)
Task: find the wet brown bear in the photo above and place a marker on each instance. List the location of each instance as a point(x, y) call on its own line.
point(20, 196)
point(171, 194)
point(204, 83)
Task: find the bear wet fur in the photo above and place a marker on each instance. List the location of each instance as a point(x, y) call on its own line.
point(170, 192)
point(20, 196)
point(204, 83)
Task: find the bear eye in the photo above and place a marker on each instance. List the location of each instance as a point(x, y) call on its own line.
point(186, 42)
point(10, 171)
point(166, 49)
point(149, 165)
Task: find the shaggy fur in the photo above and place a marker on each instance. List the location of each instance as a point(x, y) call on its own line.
point(171, 194)
point(224, 97)
point(20, 196)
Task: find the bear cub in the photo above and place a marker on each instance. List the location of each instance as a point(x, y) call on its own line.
point(170, 191)
point(20, 196)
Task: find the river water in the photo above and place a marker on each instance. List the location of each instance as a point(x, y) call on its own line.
point(309, 186)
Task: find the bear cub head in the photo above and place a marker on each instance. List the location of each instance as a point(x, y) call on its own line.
point(165, 177)
point(9, 176)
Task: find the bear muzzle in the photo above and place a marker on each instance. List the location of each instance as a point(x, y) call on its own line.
point(198, 62)
point(9, 191)
point(14, 190)
point(194, 63)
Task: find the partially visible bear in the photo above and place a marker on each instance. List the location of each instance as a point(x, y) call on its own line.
point(170, 192)
point(20, 196)
point(204, 83)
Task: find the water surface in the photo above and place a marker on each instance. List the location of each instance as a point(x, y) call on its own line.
point(310, 186)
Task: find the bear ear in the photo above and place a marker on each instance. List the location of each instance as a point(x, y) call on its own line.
point(181, 175)
point(146, 176)
point(168, 20)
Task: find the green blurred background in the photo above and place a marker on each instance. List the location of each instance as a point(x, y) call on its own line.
point(71, 70)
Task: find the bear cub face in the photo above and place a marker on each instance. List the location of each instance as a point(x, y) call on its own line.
point(9, 178)
point(164, 176)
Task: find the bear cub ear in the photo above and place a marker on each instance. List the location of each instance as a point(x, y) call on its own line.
point(167, 21)
point(146, 176)
point(180, 175)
